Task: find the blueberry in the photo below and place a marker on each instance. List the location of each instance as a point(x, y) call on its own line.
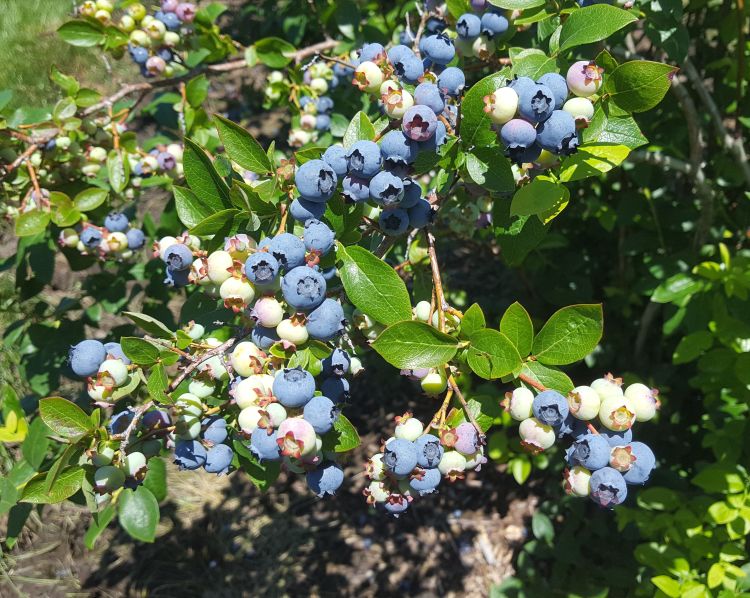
point(303, 288)
point(363, 159)
point(550, 408)
point(406, 65)
point(264, 446)
point(91, 237)
point(396, 504)
point(371, 52)
point(419, 123)
point(439, 49)
point(288, 250)
point(467, 439)
point(617, 438)
point(189, 454)
point(394, 222)
point(294, 387)
point(171, 20)
point(521, 84)
point(397, 148)
point(116, 222)
point(324, 105)
point(529, 154)
point(608, 487)
point(493, 24)
point(337, 363)
point(316, 181)
point(178, 257)
point(177, 278)
point(303, 210)
point(557, 84)
point(400, 456)
point(517, 135)
point(335, 157)
point(558, 134)
point(214, 429)
point(421, 214)
point(468, 26)
point(432, 144)
point(429, 451)
point(166, 160)
point(536, 104)
point(323, 122)
point(644, 464)
point(86, 357)
point(320, 412)
point(428, 94)
point(264, 337)
point(591, 451)
point(218, 459)
point(167, 56)
point(120, 422)
point(326, 479)
point(399, 52)
point(386, 189)
point(412, 193)
point(261, 268)
point(139, 54)
point(452, 81)
point(355, 188)
point(115, 350)
point(326, 321)
point(318, 237)
point(136, 238)
point(435, 25)
point(426, 482)
point(335, 388)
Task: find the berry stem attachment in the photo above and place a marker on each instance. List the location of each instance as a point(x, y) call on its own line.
point(454, 386)
point(125, 436)
point(284, 216)
point(438, 420)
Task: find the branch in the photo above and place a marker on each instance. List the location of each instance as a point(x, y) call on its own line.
point(436, 281)
point(222, 348)
point(531, 382)
point(457, 392)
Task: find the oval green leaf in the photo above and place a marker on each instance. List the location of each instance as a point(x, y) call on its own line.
point(64, 418)
point(242, 147)
point(592, 24)
point(570, 334)
point(492, 355)
point(138, 512)
point(410, 345)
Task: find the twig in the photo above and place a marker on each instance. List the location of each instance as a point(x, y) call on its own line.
point(438, 419)
point(327, 44)
point(436, 281)
point(223, 347)
point(465, 405)
point(531, 382)
point(420, 31)
point(125, 436)
point(384, 246)
point(21, 159)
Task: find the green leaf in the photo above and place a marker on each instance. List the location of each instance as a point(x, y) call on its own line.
point(157, 385)
point(619, 130)
point(720, 479)
point(66, 485)
point(31, 223)
point(692, 346)
point(457, 7)
point(274, 52)
point(592, 160)
point(36, 443)
point(473, 320)
point(492, 355)
point(65, 82)
point(215, 222)
point(90, 199)
point(156, 478)
point(65, 214)
point(533, 63)
point(202, 176)
point(262, 475)
point(83, 34)
point(64, 418)
point(676, 288)
point(639, 85)
point(118, 171)
point(517, 326)
point(242, 147)
point(139, 351)
point(488, 167)
point(190, 208)
point(410, 345)
point(721, 513)
point(519, 238)
point(138, 513)
point(517, 4)
point(342, 438)
point(87, 97)
point(484, 409)
point(149, 324)
point(373, 286)
point(360, 128)
point(196, 91)
point(542, 527)
point(542, 198)
point(520, 467)
point(570, 334)
point(99, 523)
point(592, 24)
point(475, 124)
point(671, 587)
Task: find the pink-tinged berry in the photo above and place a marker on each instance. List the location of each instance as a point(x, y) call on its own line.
point(253, 390)
point(584, 403)
point(536, 436)
point(186, 12)
point(577, 481)
point(268, 312)
point(584, 78)
point(467, 439)
point(645, 401)
point(296, 438)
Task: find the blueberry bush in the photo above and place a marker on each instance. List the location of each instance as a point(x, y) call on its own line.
point(462, 191)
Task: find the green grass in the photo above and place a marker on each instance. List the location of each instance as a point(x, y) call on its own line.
point(30, 44)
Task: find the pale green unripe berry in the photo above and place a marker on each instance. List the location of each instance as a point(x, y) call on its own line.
point(388, 86)
point(127, 254)
point(151, 447)
point(246, 358)
point(397, 102)
point(103, 16)
point(502, 105)
point(368, 77)
point(91, 170)
point(201, 389)
point(88, 8)
point(299, 137)
point(215, 366)
point(409, 428)
point(451, 321)
point(294, 333)
point(249, 390)
point(276, 413)
point(465, 47)
point(69, 237)
point(127, 23)
point(155, 29)
point(193, 242)
point(275, 77)
point(104, 456)
point(452, 462)
point(195, 330)
point(114, 370)
point(134, 464)
point(434, 383)
point(219, 264)
point(320, 70)
point(377, 492)
point(584, 402)
point(644, 401)
point(187, 426)
point(237, 290)
point(137, 11)
point(375, 469)
point(199, 272)
point(171, 39)
point(536, 436)
point(422, 311)
point(99, 392)
point(607, 388)
point(98, 154)
point(475, 460)
point(138, 37)
point(319, 85)
point(579, 108)
point(63, 142)
point(149, 164)
point(108, 478)
point(519, 403)
point(355, 366)
point(483, 47)
point(176, 150)
point(617, 414)
point(577, 481)
point(115, 242)
point(189, 403)
point(248, 419)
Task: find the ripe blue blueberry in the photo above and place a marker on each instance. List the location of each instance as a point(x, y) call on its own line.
point(432, 144)
point(468, 26)
point(120, 421)
point(288, 249)
point(318, 237)
point(421, 214)
point(326, 321)
point(139, 54)
point(189, 454)
point(218, 459)
point(303, 288)
point(412, 193)
point(171, 20)
point(136, 238)
point(335, 388)
point(324, 105)
point(517, 135)
point(320, 412)
point(303, 210)
point(177, 278)
point(261, 268)
point(396, 148)
point(425, 481)
point(396, 504)
point(371, 52)
point(167, 56)
point(394, 222)
point(400, 456)
point(452, 81)
point(214, 429)
point(536, 104)
point(157, 419)
point(608, 487)
point(91, 237)
point(115, 350)
point(521, 84)
point(435, 24)
point(263, 337)
point(86, 357)
point(178, 257)
point(558, 134)
point(419, 123)
point(337, 363)
point(644, 464)
point(386, 189)
point(556, 82)
point(264, 445)
point(335, 157)
point(439, 48)
point(363, 159)
point(493, 24)
point(323, 122)
point(166, 160)
point(316, 181)
point(591, 451)
point(294, 387)
point(406, 65)
point(116, 222)
point(429, 451)
point(326, 479)
point(618, 438)
point(428, 94)
point(355, 188)
point(550, 408)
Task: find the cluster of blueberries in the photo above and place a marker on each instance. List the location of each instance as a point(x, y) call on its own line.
point(601, 463)
point(315, 117)
point(153, 38)
point(104, 365)
point(479, 31)
point(536, 116)
point(115, 240)
point(414, 461)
